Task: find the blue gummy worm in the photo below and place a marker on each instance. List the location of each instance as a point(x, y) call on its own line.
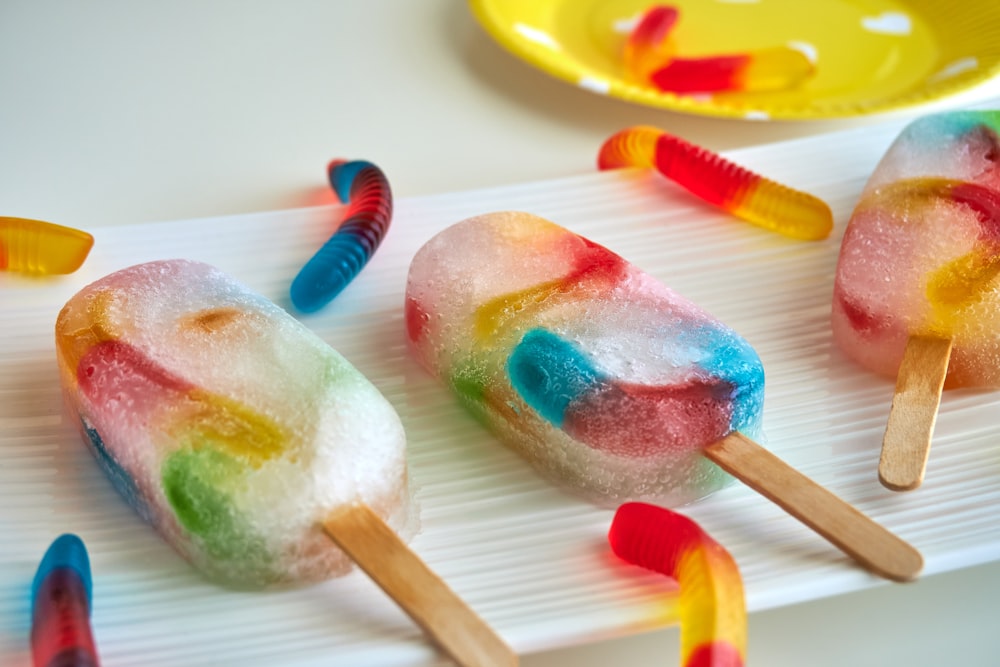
point(549, 373)
point(67, 551)
point(363, 186)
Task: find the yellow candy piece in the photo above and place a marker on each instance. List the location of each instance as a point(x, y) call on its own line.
point(41, 248)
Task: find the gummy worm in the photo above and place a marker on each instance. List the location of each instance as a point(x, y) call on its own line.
point(649, 56)
point(775, 68)
point(587, 273)
point(958, 281)
point(41, 248)
point(212, 421)
point(60, 607)
point(566, 389)
point(364, 188)
point(711, 603)
point(649, 45)
point(968, 276)
point(718, 181)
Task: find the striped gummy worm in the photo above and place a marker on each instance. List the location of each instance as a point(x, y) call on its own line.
point(41, 248)
point(364, 188)
point(60, 607)
point(718, 181)
point(711, 604)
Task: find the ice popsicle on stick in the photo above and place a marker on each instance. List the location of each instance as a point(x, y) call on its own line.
point(41, 248)
point(711, 604)
point(720, 182)
point(605, 380)
point(61, 604)
point(917, 288)
point(248, 442)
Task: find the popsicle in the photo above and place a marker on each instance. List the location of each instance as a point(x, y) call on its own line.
point(606, 381)
point(61, 606)
point(720, 182)
point(41, 248)
point(364, 188)
point(248, 442)
point(917, 292)
point(711, 604)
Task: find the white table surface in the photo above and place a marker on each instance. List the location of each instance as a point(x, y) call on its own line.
point(117, 112)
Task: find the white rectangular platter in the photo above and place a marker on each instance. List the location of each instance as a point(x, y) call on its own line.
point(533, 560)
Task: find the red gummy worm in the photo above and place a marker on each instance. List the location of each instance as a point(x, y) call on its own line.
point(711, 604)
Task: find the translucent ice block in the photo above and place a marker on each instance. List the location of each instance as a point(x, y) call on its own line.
point(604, 379)
point(921, 254)
point(227, 424)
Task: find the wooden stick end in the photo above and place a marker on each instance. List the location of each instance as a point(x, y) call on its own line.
point(905, 568)
point(910, 428)
point(870, 544)
point(892, 480)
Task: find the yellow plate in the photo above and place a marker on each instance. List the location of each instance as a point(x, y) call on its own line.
point(871, 56)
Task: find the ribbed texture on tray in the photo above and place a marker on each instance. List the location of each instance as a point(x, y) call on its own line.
point(530, 559)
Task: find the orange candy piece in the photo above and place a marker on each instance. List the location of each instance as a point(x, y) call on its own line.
point(41, 248)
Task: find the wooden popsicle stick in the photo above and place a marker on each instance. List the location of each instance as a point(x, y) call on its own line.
point(378, 550)
point(854, 533)
point(908, 433)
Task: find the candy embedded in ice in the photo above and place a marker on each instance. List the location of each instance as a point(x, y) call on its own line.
point(604, 379)
point(226, 423)
point(921, 254)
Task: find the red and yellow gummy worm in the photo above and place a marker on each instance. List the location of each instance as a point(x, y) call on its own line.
point(711, 603)
point(649, 45)
point(718, 181)
point(649, 56)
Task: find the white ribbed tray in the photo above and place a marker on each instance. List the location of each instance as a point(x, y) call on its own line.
point(531, 559)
